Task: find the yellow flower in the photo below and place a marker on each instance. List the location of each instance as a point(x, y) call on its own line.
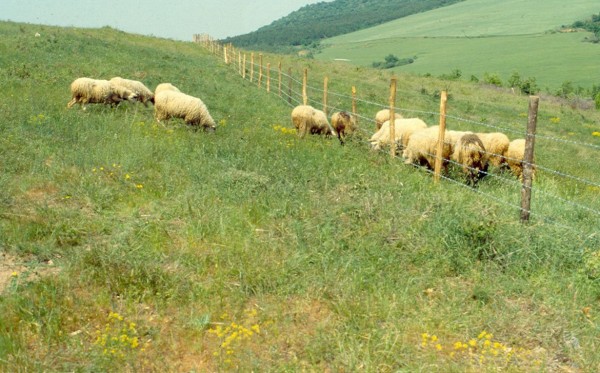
point(472, 343)
point(139, 186)
point(481, 335)
point(438, 347)
point(457, 345)
point(14, 274)
point(596, 133)
point(434, 338)
point(127, 177)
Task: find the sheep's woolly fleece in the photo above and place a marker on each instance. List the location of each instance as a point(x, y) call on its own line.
point(307, 119)
point(172, 104)
point(404, 129)
point(93, 91)
point(384, 115)
point(144, 94)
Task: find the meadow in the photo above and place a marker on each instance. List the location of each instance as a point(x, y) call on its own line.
point(132, 245)
point(479, 37)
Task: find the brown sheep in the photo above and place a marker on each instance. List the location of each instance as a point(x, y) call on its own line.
point(470, 154)
point(343, 123)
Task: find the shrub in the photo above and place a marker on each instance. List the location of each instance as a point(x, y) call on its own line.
point(597, 101)
point(492, 79)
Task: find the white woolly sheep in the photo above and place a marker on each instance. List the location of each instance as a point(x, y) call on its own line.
point(343, 123)
point(308, 119)
point(496, 144)
point(470, 154)
point(514, 156)
point(404, 128)
point(422, 148)
point(93, 91)
point(144, 95)
point(165, 87)
point(172, 104)
point(384, 115)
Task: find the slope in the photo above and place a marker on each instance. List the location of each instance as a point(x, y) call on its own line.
point(482, 36)
point(314, 22)
point(131, 245)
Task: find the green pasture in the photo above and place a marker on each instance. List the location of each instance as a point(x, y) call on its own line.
point(552, 58)
point(479, 37)
point(477, 18)
point(131, 245)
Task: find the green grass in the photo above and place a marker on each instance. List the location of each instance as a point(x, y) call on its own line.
point(479, 37)
point(335, 258)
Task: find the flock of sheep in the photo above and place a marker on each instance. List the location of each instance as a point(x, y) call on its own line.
point(169, 101)
point(474, 152)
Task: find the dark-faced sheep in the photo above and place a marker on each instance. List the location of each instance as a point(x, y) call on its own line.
point(143, 94)
point(93, 91)
point(384, 115)
point(343, 123)
point(307, 119)
point(470, 154)
point(173, 104)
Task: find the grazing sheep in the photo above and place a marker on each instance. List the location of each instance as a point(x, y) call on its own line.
point(514, 158)
point(308, 119)
point(92, 91)
point(165, 87)
point(144, 95)
point(422, 148)
point(470, 154)
point(342, 123)
point(384, 115)
point(173, 104)
point(496, 144)
point(404, 128)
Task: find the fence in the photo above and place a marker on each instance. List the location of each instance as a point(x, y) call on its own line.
point(583, 201)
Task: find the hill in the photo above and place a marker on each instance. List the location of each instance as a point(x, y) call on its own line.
point(132, 245)
point(312, 23)
point(483, 37)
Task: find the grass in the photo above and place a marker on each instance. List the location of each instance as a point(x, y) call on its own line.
point(466, 37)
point(164, 249)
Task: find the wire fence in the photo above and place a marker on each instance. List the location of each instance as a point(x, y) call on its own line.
point(560, 196)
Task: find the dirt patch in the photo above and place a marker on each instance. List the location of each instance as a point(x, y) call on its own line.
point(13, 268)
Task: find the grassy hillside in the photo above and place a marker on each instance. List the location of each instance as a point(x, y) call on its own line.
point(314, 22)
point(482, 36)
point(135, 246)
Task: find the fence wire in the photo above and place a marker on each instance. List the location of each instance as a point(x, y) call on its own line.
point(292, 97)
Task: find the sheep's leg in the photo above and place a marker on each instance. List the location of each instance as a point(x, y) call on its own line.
point(302, 129)
point(71, 103)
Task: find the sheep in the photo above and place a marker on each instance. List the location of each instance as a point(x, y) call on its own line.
point(404, 128)
point(144, 95)
point(173, 104)
point(93, 91)
point(470, 154)
point(422, 148)
point(308, 119)
point(496, 144)
point(165, 87)
point(514, 156)
point(384, 115)
point(342, 123)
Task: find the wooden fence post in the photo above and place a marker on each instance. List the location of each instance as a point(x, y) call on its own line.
point(225, 55)
point(260, 69)
point(354, 105)
point(325, 85)
point(528, 158)
point(279, 68)
point(268, 77)
point(240, 63)
point(251, 67)
point(304, 90)
point(393, 84)
point(244, 68)
point(290, 85)
point(441, 137)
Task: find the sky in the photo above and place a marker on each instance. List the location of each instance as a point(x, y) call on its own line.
point(175, 19)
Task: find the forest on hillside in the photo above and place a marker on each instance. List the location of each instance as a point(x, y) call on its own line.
point(592, 25)
point(311, 23)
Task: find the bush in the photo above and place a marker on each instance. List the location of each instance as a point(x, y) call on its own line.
point(392, 61)
point(492, 79)
point(597, 100)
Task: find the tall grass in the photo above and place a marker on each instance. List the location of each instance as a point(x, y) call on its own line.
point(146, 246)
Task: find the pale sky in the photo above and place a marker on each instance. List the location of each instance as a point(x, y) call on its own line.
point(176, 19)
